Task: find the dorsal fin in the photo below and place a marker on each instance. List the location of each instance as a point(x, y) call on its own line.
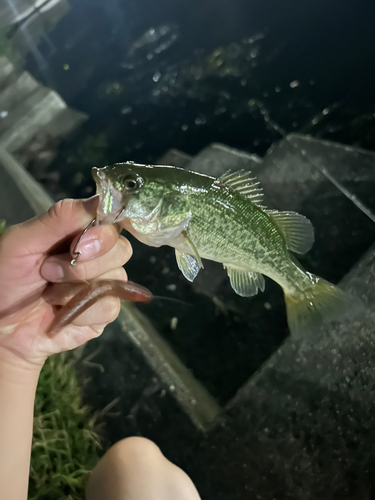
point(242, 182)
point(297, 230)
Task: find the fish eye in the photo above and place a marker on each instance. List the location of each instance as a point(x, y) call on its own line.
point(131, 183)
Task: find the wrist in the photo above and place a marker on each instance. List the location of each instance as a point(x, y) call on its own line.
point(15, 369)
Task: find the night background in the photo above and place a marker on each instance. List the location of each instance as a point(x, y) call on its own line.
point(153, 75)
point(294, 417)
point(158, 75)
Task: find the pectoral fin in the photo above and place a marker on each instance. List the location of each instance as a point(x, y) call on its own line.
point(189, 264)
point(194, 249)
point(244, 282)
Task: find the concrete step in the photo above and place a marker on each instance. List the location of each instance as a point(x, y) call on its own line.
point(13, 95)
point(25, 121)
point(175, 157)
point(30, 20)
point(27, 110)
point(303, 412)
point(304, 426)
point(217, 159)
point(11, 13)
point(219, 313)
point(7, 72)
point(21, 197)
point(298, 167)
point(37, 25)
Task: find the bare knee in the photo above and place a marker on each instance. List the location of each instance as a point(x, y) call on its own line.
point(134, 449)
point(125, 465)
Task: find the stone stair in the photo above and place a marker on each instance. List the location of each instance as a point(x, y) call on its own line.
point(219, 385)
point(30, 112)
point(305, 413)
point(30, 21)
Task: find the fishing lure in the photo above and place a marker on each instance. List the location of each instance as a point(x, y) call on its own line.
point(94, 291)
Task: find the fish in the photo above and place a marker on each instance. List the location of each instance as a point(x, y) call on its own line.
point(222, 220)
point(90, 293)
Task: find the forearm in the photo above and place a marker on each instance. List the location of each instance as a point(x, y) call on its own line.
point(17, 394)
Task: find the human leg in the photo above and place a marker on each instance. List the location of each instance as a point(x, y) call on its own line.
point(135, 469)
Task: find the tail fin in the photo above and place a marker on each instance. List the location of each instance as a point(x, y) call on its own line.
point(318, 304)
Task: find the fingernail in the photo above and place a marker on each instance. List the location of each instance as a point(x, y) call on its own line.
point(52, 271)
point(89, 248)
point(91, 204)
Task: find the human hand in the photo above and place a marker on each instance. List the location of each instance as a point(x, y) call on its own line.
point(36, 277)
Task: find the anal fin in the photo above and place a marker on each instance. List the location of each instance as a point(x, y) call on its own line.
point(244, 282)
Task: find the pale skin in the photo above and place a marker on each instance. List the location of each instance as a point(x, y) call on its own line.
point(36, 276)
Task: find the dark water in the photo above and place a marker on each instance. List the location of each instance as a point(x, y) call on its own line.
point(157, 75)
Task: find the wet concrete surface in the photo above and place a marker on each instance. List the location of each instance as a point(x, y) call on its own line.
point(296, 418)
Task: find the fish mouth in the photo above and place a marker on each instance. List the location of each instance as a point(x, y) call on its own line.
point(110, 199)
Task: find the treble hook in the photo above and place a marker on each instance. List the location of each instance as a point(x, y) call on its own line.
point(76, 254)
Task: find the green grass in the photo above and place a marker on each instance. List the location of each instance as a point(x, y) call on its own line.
point(6, 47)
point(3, 226)
point(65, 443)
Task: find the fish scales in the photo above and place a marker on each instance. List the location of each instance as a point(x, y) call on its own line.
point(250, 240)
point(221, 220)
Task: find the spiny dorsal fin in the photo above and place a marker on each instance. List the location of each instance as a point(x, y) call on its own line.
point(244, 282)
point(297, 230)
point(242, 182)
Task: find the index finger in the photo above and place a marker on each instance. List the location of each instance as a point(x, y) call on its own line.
point(49, 230)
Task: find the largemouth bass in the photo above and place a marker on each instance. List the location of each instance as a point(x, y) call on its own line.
point(221, 220)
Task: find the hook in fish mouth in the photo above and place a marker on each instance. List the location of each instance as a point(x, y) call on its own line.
point(110, 199)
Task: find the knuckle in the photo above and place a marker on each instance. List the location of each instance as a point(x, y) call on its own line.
point(10, 236)
point(10, 240)
point(132, 449)
point(62, 209)
point(98, 330)
point(89, 270)
point(99, 269)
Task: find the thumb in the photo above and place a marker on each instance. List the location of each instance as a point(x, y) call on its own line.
point(50, 229)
